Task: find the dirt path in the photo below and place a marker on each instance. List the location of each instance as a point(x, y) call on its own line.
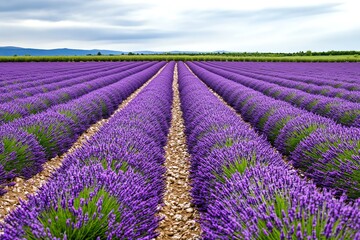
point(179, 214)
point(10, 200)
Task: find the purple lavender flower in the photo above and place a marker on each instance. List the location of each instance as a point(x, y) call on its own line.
point(282, 190)
point(298, 129)
point(330, 157)
point(20, 153)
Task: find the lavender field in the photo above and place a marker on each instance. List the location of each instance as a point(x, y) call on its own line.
point(179, 150)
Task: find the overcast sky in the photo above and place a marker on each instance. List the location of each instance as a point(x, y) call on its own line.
point(233, 25)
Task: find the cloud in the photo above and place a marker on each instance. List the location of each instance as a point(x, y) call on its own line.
point(84, 34)
point(108, 12)
point(264, 15)
point(233, 25)
point(344, 39)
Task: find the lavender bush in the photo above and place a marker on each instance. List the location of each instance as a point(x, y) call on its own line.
point(331, 156)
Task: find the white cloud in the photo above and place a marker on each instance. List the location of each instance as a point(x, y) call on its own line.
point(256, 25)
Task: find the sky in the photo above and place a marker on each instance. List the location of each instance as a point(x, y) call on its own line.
point(187, 25)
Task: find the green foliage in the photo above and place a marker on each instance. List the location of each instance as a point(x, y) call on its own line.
point(31, 109)
point(264, 118)
point(316, 153)
point(312, 104)
point(324, 92)
point(347, 156)
point(213, 128)
point(22, 154)
point(327, 108)
point(65, 97)
point(276, 93)
point(251, 109)
point(240, 165)
point(296, 137)
point(310, 223)
point(281, 204)
point(103, 107)
point(228, 143)
point(133, 149)
point(246, 57)
point(243, 103)
point(290, 96)
point(44, 136)
point(9, 117)
point(339, 95)
point(114, 165)
point(57, 220)
point(349, 116)
point(274, 133)
point(354, 88)
point(70, 115)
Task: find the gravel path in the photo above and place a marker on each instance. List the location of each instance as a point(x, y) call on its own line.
point(179, 214)
point(11, 199)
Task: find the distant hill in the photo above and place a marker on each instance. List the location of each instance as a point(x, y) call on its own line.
point(11, 51)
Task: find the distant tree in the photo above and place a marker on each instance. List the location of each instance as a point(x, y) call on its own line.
point(15, 55)
point(308, 53)
point(131, 53)
point(99, 54)
point(89, 54)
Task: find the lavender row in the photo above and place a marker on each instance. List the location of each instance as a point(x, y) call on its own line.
point(337, 75)
point(13, 73)
point(27, 143)
point(111, 187)
point(289, 128)
point(24, 107)
point(242, 187)
point(51, 78)
point(21, 78)
point(343, 112)
point(328, 91)
point(66, 81)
